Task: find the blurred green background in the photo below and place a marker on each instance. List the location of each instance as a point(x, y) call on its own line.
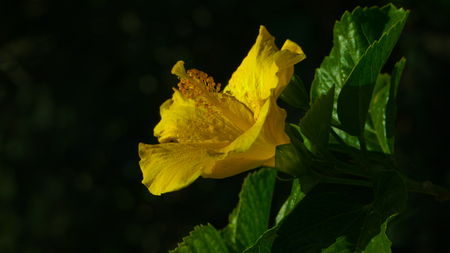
point(81, 83)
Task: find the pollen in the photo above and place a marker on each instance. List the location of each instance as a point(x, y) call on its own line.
point(206, 93)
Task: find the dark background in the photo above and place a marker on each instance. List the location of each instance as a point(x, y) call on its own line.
point(81, 83)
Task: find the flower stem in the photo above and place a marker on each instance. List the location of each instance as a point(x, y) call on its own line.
point(362, 144)
point(349, 169)
point(338, 180)
point(442, 194)
point(427, 187)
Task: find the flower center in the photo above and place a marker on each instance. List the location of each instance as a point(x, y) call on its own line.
point(197, 85)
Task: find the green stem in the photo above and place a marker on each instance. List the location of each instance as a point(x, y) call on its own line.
point(349, 169)
point(442, 194)
point(362, 144)
point(337, 166)
point(340, 167)
point(427, 187)
point(338, 180)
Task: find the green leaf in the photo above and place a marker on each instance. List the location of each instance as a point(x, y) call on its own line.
point(295, 136)
point(391, 108)
point(336, 221)
point(264, 243)
point(349, 139)
point(340, 246)
point(351, 37)
point(204, 239)
point(362, 42)
point(355, 154)
point(317, 122)
point(369, 134)
point(295, 93)
point(293, 131)
point(380, 243)
point(291, 160)
point(300, 187)
point(298, 192)
point(250, 218)
point(390, 193)
point(229, 232)
point(377, 111)
point(317, 222)
point(354, 98)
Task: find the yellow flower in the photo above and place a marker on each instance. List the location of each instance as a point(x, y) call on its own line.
point(216, 134)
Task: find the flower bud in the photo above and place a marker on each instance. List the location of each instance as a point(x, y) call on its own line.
point(293, 158)
point(295, 93)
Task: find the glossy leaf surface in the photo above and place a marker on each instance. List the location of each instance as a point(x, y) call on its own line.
point(250, 219)
point(363, 40)
point(204, 239)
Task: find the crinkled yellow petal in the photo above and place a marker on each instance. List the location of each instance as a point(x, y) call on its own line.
point(181, 121)
point(172, 166)
point(285, 59)
point(255, 147)
point(273, 129)
point(247, 139)
point(264, 72)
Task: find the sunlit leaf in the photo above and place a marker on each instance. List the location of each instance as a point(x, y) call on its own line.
point(229, 232)
point(363, 41)
point(204, 239)
point(352, 35)
point(250, 219)
point(298, 192)
point(380, 243)
point(354, 98)
point(377, 110)
point(391, 108)
point(264, 243)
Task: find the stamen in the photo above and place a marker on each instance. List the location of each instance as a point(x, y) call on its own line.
point(198, 86)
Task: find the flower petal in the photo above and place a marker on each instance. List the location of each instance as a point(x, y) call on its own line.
point(255, 147)
point(232, 166)
point(172, 166)
point(263, 70)
point(285, 59)
point(273, 130)
point(183, 122)
point(250, 137)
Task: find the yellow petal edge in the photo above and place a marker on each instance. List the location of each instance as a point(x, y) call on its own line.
point(237, 132)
